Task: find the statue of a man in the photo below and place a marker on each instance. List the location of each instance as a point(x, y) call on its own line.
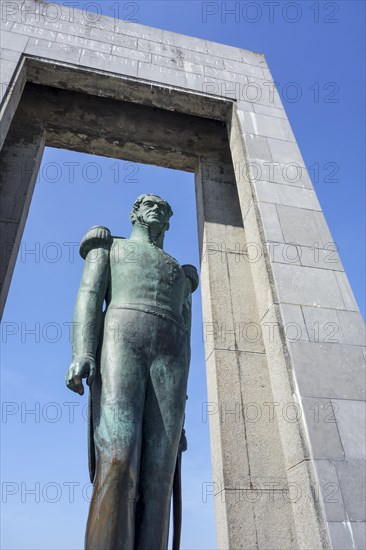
point(135, 355)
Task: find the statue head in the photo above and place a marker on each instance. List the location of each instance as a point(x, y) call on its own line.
point(152, 211)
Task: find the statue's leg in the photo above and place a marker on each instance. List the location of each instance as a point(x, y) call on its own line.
point(162, 426)
point(124, 374)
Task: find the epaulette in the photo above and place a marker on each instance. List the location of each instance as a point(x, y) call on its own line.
point(191, 273)
point(96, 237)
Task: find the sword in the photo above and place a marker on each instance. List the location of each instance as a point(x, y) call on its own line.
point(177, 493)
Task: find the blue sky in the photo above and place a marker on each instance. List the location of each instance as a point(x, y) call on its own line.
point(322, 52)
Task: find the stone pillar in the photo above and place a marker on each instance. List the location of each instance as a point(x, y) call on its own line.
point(252, 504)
point(312, 331)
point(20, 159)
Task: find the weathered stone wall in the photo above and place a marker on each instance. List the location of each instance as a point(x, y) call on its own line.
point(267, 259)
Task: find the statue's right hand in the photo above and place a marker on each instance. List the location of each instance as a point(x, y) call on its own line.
point(81, 367)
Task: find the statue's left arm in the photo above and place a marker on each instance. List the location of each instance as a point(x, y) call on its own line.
point(87, 316)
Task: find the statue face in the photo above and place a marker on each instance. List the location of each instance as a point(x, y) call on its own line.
point(153, 212)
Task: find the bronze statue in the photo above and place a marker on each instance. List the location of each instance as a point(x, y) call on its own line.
point(135, 355)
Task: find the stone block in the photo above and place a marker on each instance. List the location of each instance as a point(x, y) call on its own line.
point(15, 40)
point(202, 84)
point(175, 63)
point(26, 31)
point(323, 325)
point(235, 523)
point(299, 226)
point(271, 222)
point(295, 196)
point(6, 75)
point(62, 25)
point(266, 192)
point(346, 291)
point(353, 327)
point(260, 416)
point(351, 476)
point(230, 82)
point(325, 235)
point(131, 53)
point(351, 420)
point(322, 258)
point(11, 11)
point(229, 240)
point(286, 174)
point(164, 75)
point(243, 68)
point(183, 41)
point(263, 92)
point(359, 534)
point(236, 54)
point(143, 32)
point(217, 312)
point(283, 253)
point(257, 147)
point(224, 87)
point(269, 111)
point(53, 50)
point(285, 151)
point(244, 105)
point(81, 42)
point(264, 288)
point(341, 535)
point(19, 169)
point(162, 49)
point(227, 425)
point(222, 205)
point(321, 421)
point(267, 74)
point(258, 519)
point(6, 25)
point(11, 93)
point(287, 195)
point(87, 32)
point(329, 491)
point(110, 63)
point(288, 410)
point(293, 323)
point(307, 286)
point(244, 187)
point(274, 521)
point(9, 55)
point(306, 507)
point(214, 170)
point(232, 306)
point(328, 370)
point(83, 17)
point(118, 39)
point(267, 126)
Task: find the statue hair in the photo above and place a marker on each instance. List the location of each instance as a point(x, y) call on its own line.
point(138, 201)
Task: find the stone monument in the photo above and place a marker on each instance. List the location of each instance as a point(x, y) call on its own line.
point(270, 272)
point(135, 356)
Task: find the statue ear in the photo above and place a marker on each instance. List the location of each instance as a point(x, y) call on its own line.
point(133, 217)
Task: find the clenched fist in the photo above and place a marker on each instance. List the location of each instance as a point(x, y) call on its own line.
point(81, 367)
